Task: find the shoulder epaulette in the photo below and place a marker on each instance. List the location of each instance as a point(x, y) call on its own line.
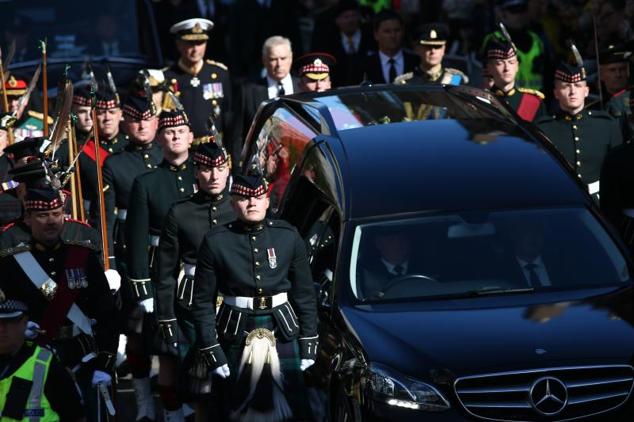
point(600, 114)
point(545, 119)
point(83, 243)
point(220, 65)
point(455, 71)
point(39, 116)
point(402, 79)
point(532, 91)
point(166, 68)
point(21, 247)
point(280, 224)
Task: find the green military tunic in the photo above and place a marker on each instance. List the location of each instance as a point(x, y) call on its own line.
point(88, 167)
point(203, 94)
point(620, 108)
point(584, 140)
point(151, 197)
point(446, 76)
point(527, 103)
point(184, 228)
point(119, 171)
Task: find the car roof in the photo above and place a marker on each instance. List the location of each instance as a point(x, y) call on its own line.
point(448, 165)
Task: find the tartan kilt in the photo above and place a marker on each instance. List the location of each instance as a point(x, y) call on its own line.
point(289, 354)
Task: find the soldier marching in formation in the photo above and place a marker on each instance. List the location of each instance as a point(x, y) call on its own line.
point(182, 262)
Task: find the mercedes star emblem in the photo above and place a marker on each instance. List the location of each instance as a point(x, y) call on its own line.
point(548, 396)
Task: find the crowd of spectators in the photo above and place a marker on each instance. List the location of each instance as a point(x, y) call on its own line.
point(241, 26)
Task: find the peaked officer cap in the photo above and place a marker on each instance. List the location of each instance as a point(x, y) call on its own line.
point(195, 29)
point(10, 308)
point(315, 66)
point(432, 34)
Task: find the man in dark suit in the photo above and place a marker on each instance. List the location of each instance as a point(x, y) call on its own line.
point(338, 31)
point(530, 267)
point(388, 258)
point(277, 58)
point(390, 60)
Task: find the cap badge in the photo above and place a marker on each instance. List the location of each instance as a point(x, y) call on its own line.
point(197, 29)
point(317, 62)
point(433, 34)
point(12, 81)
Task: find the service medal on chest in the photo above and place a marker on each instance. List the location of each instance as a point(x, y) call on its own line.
point(76, 278)
point(195, 82)
point(272, 258)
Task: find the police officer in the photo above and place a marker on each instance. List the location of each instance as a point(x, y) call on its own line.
point(66, 291)
point(261, 269)
point(203, 85)
point(28, 370)
point(314, 71)
point(582, 136)
point(430, 46)
point(150, 199)
point(502, 65)
point(140, 155)
point(184, 228)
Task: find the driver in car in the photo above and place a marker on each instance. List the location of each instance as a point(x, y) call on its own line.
point(389, 258)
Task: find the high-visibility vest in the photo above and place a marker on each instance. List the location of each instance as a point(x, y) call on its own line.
point(376, 5)
point(34, 369)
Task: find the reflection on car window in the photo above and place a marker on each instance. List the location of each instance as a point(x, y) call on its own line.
point(353, 110)
point(474, 253)
point(280, 145)
point(72, 28)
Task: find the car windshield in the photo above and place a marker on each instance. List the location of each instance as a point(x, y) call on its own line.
point(470, 254)
point(72, 28)
point(351, 110)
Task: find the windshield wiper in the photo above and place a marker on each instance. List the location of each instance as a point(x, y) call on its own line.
point(496, 291)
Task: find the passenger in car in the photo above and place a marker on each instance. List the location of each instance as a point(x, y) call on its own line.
point(529, 265)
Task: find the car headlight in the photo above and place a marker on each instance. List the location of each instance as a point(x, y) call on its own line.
point(395, 389)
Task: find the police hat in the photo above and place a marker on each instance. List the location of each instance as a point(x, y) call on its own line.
point(172, 118)
point(10, 308)
point(43, 199)
point(432, 34)
point(566, 72)
point(15, 86)
point(195, 29)
point(498, 49)
point(7, 120)
point(82, 96)
point(248, 185)
point(615, 54)
point(210, 154)
point(29, 147)
point(138, 107)
point(315, 66)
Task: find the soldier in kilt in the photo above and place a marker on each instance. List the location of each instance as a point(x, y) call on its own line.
point(265, 332)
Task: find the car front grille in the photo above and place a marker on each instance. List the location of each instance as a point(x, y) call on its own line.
point(546, 394)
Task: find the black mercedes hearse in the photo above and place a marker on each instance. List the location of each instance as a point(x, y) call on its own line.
point(463, 272)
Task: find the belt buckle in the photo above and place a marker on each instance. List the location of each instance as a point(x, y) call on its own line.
point(264, 302)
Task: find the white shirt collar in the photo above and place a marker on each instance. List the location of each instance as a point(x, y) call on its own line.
point(390, 267)
point(398, 58)
point(287, 83)
point(356, 40)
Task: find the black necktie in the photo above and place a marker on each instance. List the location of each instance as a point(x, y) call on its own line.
point(280, 89)
point(533, 278)
point(392, 71)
